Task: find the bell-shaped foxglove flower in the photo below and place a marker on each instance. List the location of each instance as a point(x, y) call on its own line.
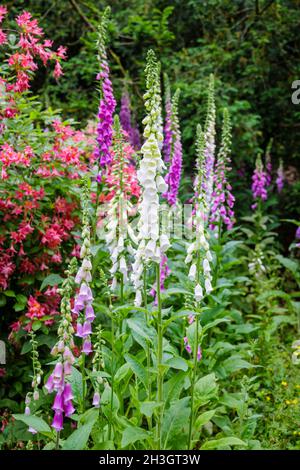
point(150, 247)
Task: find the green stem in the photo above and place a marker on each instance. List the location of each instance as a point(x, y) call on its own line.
point(193, 381)
point(148, 345)
point(83, 382)
point(149, 388)
point(94, 231)
point(112, 376)
point(159, 359)
point(122, 289)
point(57, 441)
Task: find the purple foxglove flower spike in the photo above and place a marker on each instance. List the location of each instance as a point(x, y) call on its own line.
point(259, 183)
point(174, 175)
point(107, 101)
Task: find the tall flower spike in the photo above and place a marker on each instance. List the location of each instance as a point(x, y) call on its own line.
point(259, 183)
point(57, 381)
point(198, 253)
point(222, 198)
point(132, 133)
point(83, 303)
point(151, 243)
point(280, 177)
point(174, 175)
point(36, 379)
point(118, 231)
point(209, 134)
point(168, 121)
point(107, 101)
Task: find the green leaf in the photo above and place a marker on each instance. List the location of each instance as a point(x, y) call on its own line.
point(204, 418)
point(222, 443)
point(51, 280)
point(35, 422)
point(36, 325)
point(234, 363)
point(205, 389)
point(177, 363)
point(49, 446)
point(288, 263)
point(147, 408)
point(106, 445)
point(26, 347)
point(141, 328)
point(174, 423)
point(9, 293)
point(137, 368)
point(131, 434)
point(78, 439)
point(122, 372)
point(174, 386)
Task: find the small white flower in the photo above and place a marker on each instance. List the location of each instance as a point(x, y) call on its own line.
point(123, 266)
point(198, 293)
point(206, 266)
point(164, 242)
point(138, 298)
point(208, 286)
point(192, 272)
point(162, 186)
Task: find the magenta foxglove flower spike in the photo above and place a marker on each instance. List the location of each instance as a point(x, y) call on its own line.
point(84, 298)
point(57, 380)
point(173, 177)
point(107, 101)
point(259, 183)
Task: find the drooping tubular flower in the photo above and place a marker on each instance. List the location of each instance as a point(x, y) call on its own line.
point(57, 381)
point(83, 302)
point(198, 253)
point(168, 121)
point(222, 198)
point(269, 163)
point(125, 119)
point(259, 183)
point(118, 230)
point(107, 101)
point(151, 243)
point(280, 177)
point(173, 177)
point(209, 138)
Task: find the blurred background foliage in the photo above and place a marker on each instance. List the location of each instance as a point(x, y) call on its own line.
point(252, 46)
